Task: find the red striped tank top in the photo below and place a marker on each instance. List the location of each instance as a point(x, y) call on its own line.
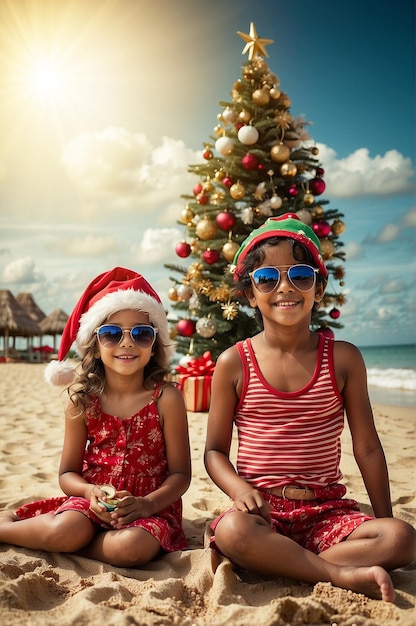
point(289, 437)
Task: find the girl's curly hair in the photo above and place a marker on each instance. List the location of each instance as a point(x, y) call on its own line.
point(255, 258)
point(90, 379)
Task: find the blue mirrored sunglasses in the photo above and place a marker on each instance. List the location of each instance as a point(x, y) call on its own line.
point(142, 335)
point(266, 279)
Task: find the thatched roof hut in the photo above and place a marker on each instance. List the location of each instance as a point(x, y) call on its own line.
point(27, 302)
point(14, 321)
point(54, 324)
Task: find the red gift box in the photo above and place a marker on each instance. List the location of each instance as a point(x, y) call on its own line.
point(195, 378)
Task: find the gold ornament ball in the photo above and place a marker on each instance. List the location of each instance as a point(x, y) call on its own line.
point(244, 116)
point(206, 327)
point(219, 175)
point(338, 227)
point(308, 198)
point(280, 153)
point(288, 169)
point(206, 228)
point(208, 186)
point(237, 191)
point(275, 93)
point(315, 150)
point(317, 212)
point(173, 294)
point(327, 248)
point(261, 97)
point(284, 100)
point(187, 215)
point(229, 250)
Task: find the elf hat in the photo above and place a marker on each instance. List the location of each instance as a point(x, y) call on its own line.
point(113, 291)
point(287, 225)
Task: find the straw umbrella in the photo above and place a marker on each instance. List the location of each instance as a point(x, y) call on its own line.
point(54, 324)
point(27, 302)
point(14, 321)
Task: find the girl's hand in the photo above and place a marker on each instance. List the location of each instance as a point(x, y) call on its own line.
point(252, 502)
point(97, 507)
point(130, 508)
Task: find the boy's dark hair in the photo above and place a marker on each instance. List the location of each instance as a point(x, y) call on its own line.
point(255, 258)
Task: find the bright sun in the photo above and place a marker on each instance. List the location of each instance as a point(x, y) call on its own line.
point(46, 79)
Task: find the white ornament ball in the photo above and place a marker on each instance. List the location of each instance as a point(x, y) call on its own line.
point(304, 216)
point(248, 135)
point(206, 327)
point(184, 292)
point(276, 202)
point(224, 145)
point(185, 360)
point(229, 115)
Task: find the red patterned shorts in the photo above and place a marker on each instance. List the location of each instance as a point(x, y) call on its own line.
point(314, 524)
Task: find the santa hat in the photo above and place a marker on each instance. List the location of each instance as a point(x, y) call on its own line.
point(113, 291)
point(287, 225)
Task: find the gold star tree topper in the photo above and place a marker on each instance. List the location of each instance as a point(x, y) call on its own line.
point(255, 46)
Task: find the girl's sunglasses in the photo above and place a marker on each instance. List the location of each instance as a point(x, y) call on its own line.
point(266, 279)
point(110, 335)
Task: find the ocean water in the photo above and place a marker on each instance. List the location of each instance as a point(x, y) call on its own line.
point(391, 374)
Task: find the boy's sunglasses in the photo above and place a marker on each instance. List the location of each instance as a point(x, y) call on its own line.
point(266, 279)
point(110, 335)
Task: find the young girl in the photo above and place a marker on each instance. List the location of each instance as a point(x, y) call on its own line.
point(287, 389)
point(126, 434)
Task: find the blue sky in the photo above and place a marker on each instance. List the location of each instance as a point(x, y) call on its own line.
point(105, 104)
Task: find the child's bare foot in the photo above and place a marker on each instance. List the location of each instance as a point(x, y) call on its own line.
point(373, 581)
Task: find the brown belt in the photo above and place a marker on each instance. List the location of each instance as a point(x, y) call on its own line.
point(291, 492)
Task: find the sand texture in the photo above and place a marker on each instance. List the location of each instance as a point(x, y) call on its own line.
point(195, 587)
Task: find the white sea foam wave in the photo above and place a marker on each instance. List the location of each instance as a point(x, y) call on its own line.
point(392, 378)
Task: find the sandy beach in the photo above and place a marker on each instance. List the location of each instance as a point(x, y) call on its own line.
point(192, 588)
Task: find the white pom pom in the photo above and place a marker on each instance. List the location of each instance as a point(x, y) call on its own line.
point(59, 373)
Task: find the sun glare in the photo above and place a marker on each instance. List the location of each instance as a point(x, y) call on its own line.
point(46, 79)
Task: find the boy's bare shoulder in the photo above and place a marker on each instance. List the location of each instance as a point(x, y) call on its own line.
point(346, 350)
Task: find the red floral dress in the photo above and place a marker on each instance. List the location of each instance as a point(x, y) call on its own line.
point(130, 454)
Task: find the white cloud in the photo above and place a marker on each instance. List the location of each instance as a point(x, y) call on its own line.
point(353, 250)
point(88, 246)
point(409, 220)
point(388, 233)
point(393, 286)
point(157, 246)
point(359, 174)
point(126, 171)
point(20, 271)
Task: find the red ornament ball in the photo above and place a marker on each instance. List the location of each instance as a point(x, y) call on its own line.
point(227, 181)
point(320, 171)
point(334, 313)
point(207, 154)
point(183, 249)
point(186, 328)
point(202, 199)
point(322, 229)
point(317, 186)
point(226, 220)
point(210, 256)
point(250, 162)
point(197, 189)
point(293, 191)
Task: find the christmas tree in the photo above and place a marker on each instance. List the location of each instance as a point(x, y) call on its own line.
point(260, 162)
